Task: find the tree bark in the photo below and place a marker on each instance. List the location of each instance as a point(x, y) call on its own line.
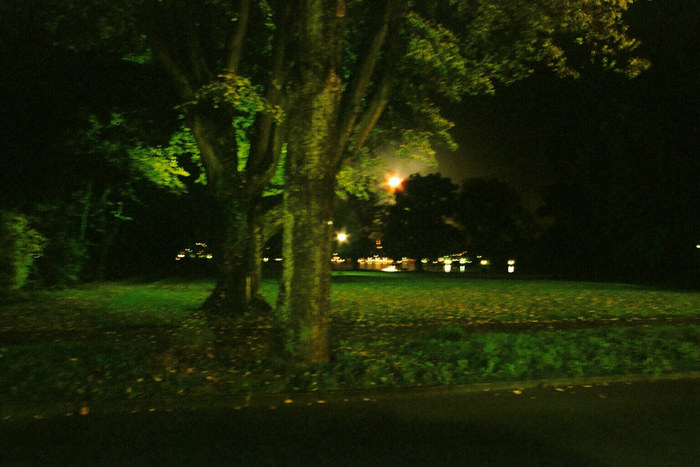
point(218, 147)
point(304, 296)
point(301, 316)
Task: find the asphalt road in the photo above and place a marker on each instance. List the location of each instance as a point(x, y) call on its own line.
point(640, 423)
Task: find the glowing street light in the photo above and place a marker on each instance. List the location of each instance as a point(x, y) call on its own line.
point(341, 237)
point(394, 182)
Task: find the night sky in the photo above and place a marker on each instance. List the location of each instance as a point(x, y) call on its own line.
point(527, 133)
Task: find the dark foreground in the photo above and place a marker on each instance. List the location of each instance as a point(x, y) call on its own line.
point(642, 423)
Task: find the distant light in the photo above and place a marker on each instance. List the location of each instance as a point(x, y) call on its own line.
point(511, 269)
point(511, 262)
point(448, 266)
point(391, 268)
point(484, 262)
point(462, 268)
point(393, 182)
point(341, 237)
point(266, 259)
point(697, 246)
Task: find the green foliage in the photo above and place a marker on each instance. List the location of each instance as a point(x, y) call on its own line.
point(434, 55)
point(161, 164)
point(67, 252)
point(122, 144)
point(479, 357)
point(358, 177)
point(237, 92)
point(21, 245)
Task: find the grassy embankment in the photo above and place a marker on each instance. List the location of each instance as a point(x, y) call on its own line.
point(119, 341)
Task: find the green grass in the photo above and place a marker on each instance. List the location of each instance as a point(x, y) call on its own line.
point(411, 299)
point(117, 341)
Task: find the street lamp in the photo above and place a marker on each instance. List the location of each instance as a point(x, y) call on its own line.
point(393, 182)
point(341, 237)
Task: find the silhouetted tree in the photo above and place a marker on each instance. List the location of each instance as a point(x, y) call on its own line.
point(493, 218)
point(419, 223)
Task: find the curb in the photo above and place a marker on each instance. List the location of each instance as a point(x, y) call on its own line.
point(17, 412)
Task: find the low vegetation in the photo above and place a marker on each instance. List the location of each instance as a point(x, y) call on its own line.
point(117, 341)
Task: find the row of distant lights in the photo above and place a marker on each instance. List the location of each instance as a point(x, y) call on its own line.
point(198, 252)
point(446, 261)
point(342, 237)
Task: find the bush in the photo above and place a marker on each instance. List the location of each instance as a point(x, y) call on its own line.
point(63, 260)
point(21, 246)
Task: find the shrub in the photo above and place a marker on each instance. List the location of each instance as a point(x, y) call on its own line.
point(21, 246)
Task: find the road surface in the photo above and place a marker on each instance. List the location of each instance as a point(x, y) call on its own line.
point(639, 423)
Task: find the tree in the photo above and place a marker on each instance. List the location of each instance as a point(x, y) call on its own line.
point(493, 218)
point(419, 224)
point(326, 78)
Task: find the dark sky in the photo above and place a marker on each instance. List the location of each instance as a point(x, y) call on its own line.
point(525, 133)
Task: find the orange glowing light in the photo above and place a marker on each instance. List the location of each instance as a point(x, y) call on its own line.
point(393, 181)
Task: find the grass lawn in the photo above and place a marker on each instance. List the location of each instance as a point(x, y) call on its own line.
point(116, 341)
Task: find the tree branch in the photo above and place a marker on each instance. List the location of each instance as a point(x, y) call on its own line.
point(362, 79)
point(266, 148)
point(165, 57)
point(370, 117)
point(196, 56)
point(235, 45)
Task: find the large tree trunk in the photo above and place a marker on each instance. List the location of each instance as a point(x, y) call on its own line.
point(304, 297)
point(230, 249)
point(217, 143)
point(264, 222)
